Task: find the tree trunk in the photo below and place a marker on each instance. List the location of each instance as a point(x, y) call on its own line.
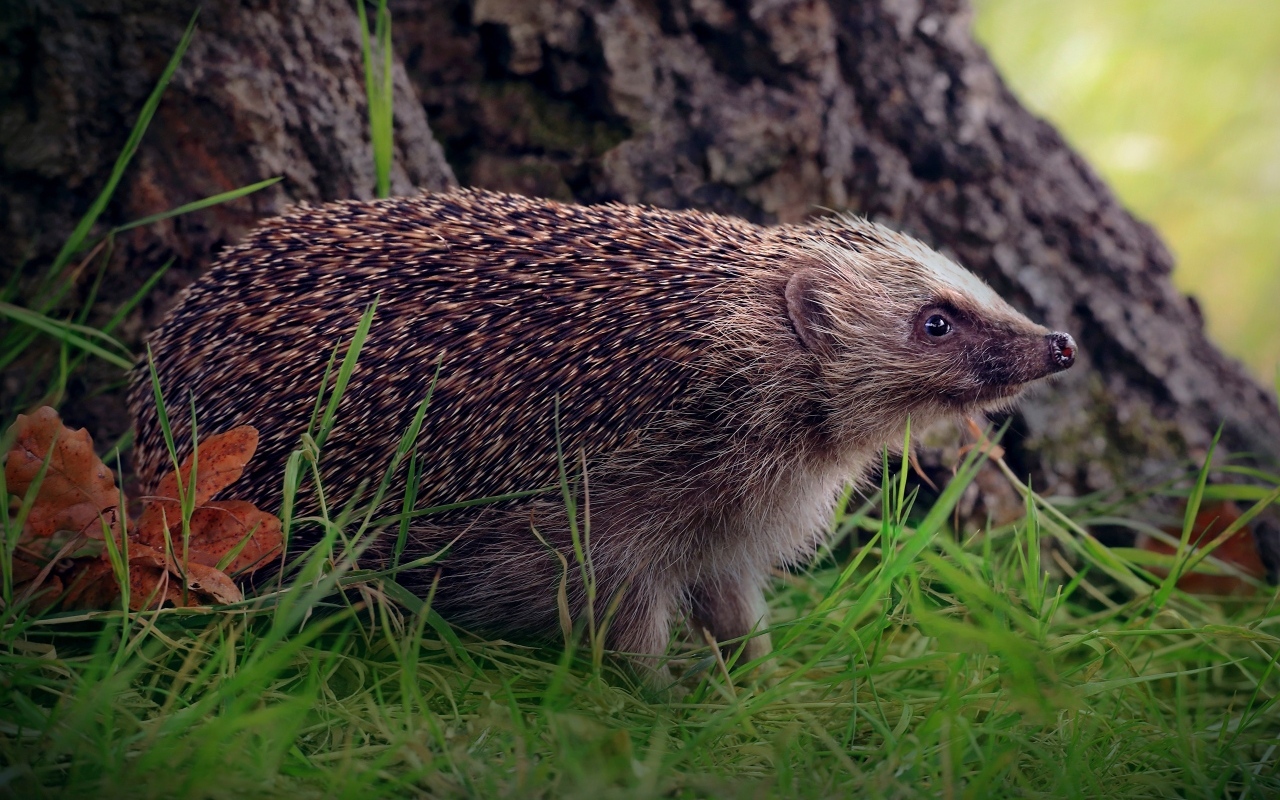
point(888, 109)
point(275, 89)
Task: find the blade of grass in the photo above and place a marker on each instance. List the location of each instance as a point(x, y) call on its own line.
point(69, 333)
point(1203, 552)
point(345, 371)
point(1076, 539)
point(15, 347)
point(407, 507)
point(162, 416)
point(408, 443)
point(461, 504)
point(1170, 581)
point(81, 231)
point(379, 91)
point(197, 205)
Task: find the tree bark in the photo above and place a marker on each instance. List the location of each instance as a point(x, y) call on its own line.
point(769, 110)
point(272, 89)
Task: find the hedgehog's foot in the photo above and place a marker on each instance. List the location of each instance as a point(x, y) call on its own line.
point(730, 611)
point(641, 629)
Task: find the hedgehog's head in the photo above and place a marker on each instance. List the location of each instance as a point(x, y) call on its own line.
point(898, 329)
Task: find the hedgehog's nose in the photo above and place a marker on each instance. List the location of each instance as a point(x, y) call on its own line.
point(1062, 350)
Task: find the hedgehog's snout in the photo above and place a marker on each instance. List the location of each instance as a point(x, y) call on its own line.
point(1062, 350)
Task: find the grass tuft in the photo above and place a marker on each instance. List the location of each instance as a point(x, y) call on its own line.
point(379, 90)
point(918, 664)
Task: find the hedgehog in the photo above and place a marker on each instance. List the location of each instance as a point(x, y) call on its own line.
point(713, 385)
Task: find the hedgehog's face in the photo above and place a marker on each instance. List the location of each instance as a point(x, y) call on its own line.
point(976, 358)
point(919, 338)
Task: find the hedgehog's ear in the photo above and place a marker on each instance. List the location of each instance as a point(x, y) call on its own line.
point(808, 315)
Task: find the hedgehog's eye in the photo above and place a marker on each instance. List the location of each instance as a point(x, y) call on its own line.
point(937, 326)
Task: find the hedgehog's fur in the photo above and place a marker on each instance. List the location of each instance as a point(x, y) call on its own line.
point(723, 382)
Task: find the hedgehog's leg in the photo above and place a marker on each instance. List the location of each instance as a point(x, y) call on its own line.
point(732, 608)
point(641, 628)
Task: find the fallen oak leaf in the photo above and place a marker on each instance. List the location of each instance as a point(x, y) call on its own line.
point(212, 585)
point(159, 515)
point(234, 532)
point(219, 461)
point(235, 528)
point(92, 586)
point(78, 491)
point(31, 578)
point(154, 582)
point(1239, 550)
point(50, 564)
point(222, 459)
point(149, 584)
point(154, 577)
point(151, 588)
point(25, 567)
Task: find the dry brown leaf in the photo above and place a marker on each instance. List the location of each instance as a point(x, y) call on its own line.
point(151, 587)
point(212, 586)
point(93, 585)
point(78, 489)
point(219, 527)
point(25, 567)
point(157, 579)
point(1240, 550)
point(151, 583)
point(159, 514)
point(27, 570)
point(222, 458)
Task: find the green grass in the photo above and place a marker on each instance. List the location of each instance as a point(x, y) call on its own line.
point(379, 91)
point(918, 664)
point(1025, 660)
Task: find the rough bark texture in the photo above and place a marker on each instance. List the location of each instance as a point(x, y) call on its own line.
point(767, 110)
point(889, 109)
point(267, 88)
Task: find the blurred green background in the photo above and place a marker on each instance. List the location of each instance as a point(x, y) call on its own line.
point(1177, 104)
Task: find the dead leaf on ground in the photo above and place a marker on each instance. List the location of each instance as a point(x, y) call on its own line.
point(157, 579)
point(27, 570)
point(92, 585)
point(1239, 550)
point(221, 461)
point(219, 527)
point(78, 490)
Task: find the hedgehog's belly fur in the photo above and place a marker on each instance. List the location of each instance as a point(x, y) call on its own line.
point(703, 551)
